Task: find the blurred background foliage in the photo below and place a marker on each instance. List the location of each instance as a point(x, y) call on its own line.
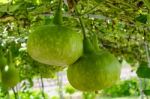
point(122, 26)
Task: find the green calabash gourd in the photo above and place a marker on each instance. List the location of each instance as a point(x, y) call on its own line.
point(55, 44)
point(95, 70)
point(10, 77)
point(10, 74)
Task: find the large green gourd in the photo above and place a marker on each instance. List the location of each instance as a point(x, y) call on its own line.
point(55, 44)
point(95, 70)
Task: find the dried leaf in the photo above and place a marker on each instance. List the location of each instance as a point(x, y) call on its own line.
point(71, 4)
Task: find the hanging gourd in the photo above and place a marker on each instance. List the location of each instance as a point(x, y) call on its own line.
point(9, 74)
point(95, 70)
point(10, 77)
point(55, 44)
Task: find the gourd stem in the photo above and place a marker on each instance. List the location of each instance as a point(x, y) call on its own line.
point(10, 57)
point(83, 27)
point(58, 14)
point(88, 47)
point(95, 42)
point(81, 22)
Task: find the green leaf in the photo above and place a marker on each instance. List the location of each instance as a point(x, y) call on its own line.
point(143, 71)
point(146, 92)
point(148, 18)
point(14, 8)
point(147, 3)
point(94, 40)
point(47, 20)
point(141, 19)
point(3, 8)
point(99, 1)
point(14, 47)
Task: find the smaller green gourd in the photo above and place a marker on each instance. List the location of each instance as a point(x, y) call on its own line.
point(95, 70)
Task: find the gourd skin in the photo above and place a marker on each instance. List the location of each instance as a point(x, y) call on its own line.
point(10, 78)
point(55, 45)
point(94, 71)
